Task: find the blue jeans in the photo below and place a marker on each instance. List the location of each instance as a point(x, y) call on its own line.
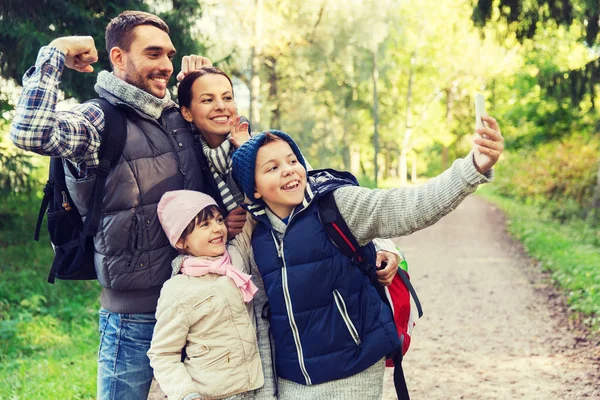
point(124, 370)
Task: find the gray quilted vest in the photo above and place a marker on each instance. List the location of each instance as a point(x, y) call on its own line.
point(132, 252)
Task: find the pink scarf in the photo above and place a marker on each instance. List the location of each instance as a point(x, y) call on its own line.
point(197, 266)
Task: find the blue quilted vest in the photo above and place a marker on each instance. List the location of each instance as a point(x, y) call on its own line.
point(326, 318)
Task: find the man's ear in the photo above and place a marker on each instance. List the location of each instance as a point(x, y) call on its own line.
point(180, 245)
point(117, 59)
point(187, 115)
point(257, 195)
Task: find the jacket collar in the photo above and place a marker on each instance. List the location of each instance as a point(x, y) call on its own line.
point(262, 213)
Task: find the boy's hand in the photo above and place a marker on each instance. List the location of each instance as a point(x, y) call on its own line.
point(80, 52)
point(192, 63)
point(488, 146)
point(386, 275)
point(239, 132)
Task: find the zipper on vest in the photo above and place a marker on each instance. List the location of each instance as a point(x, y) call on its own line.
point(175, 136)
point(171, 138)
point(290, 311)
point(277, 246)
point(341, 305)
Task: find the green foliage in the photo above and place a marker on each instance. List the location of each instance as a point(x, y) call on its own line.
point(21, 177)
point(525, 16)
point(571, 251)
point(575, 84)
point(559, 176)
point(16, 171)
point(530, 19)
point(28, 25)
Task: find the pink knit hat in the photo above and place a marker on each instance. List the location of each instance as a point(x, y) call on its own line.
point(178, 208)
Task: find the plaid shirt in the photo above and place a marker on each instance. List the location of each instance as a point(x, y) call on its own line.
point(37, 125)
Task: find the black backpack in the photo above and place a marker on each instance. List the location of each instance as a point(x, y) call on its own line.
point(71, 238)
point(339, 233)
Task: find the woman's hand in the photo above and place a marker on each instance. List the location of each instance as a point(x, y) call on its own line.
point(239, 131)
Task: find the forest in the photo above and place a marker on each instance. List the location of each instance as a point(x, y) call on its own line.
point(382, 88)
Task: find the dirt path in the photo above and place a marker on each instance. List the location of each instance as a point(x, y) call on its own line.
point(493, 328)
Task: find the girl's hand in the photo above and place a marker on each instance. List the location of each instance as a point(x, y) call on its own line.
point(488, 146)
point(239, 132)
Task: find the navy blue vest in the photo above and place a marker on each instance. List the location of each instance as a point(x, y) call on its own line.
point(327, 320)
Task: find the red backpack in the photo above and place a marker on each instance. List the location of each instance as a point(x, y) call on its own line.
point(396, 296)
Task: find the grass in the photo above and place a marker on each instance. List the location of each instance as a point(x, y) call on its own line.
point(48, 333)
point(570, 250)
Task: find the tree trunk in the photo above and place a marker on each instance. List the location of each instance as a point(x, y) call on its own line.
point(387, 164)
point(375, 76)
point(406, 147)
point(594, 212)
point(274, 94)
point(413, 174)
point(450, 92)
point(255, 70)
point(346, 158)
point(403, 169)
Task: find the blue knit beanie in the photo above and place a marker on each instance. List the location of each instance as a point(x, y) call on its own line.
point(244, 160)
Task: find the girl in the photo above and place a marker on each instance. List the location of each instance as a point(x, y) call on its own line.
point(205, 307)
point(331, 331)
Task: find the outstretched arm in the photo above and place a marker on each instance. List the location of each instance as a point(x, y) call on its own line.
point(396, 212)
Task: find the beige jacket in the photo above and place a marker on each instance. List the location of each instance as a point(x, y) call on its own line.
point(208, 317)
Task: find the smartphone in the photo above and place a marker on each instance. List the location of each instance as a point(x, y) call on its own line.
point(479, 110)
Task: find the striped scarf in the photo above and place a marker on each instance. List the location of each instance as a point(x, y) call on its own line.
point(219, 161)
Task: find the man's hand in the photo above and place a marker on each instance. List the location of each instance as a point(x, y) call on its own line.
point(235, 222)
point(192, 63)
point(80, 52)
point(386, 275)
point(239, 132)
point(488, 146)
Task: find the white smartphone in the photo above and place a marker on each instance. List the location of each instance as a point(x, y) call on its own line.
point(479, 110)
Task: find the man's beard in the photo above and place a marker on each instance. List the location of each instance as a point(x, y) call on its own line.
point(133, 77)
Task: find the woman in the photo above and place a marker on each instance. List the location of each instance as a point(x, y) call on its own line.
point(206, 100)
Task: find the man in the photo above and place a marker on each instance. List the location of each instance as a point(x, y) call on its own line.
point(133, 255)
